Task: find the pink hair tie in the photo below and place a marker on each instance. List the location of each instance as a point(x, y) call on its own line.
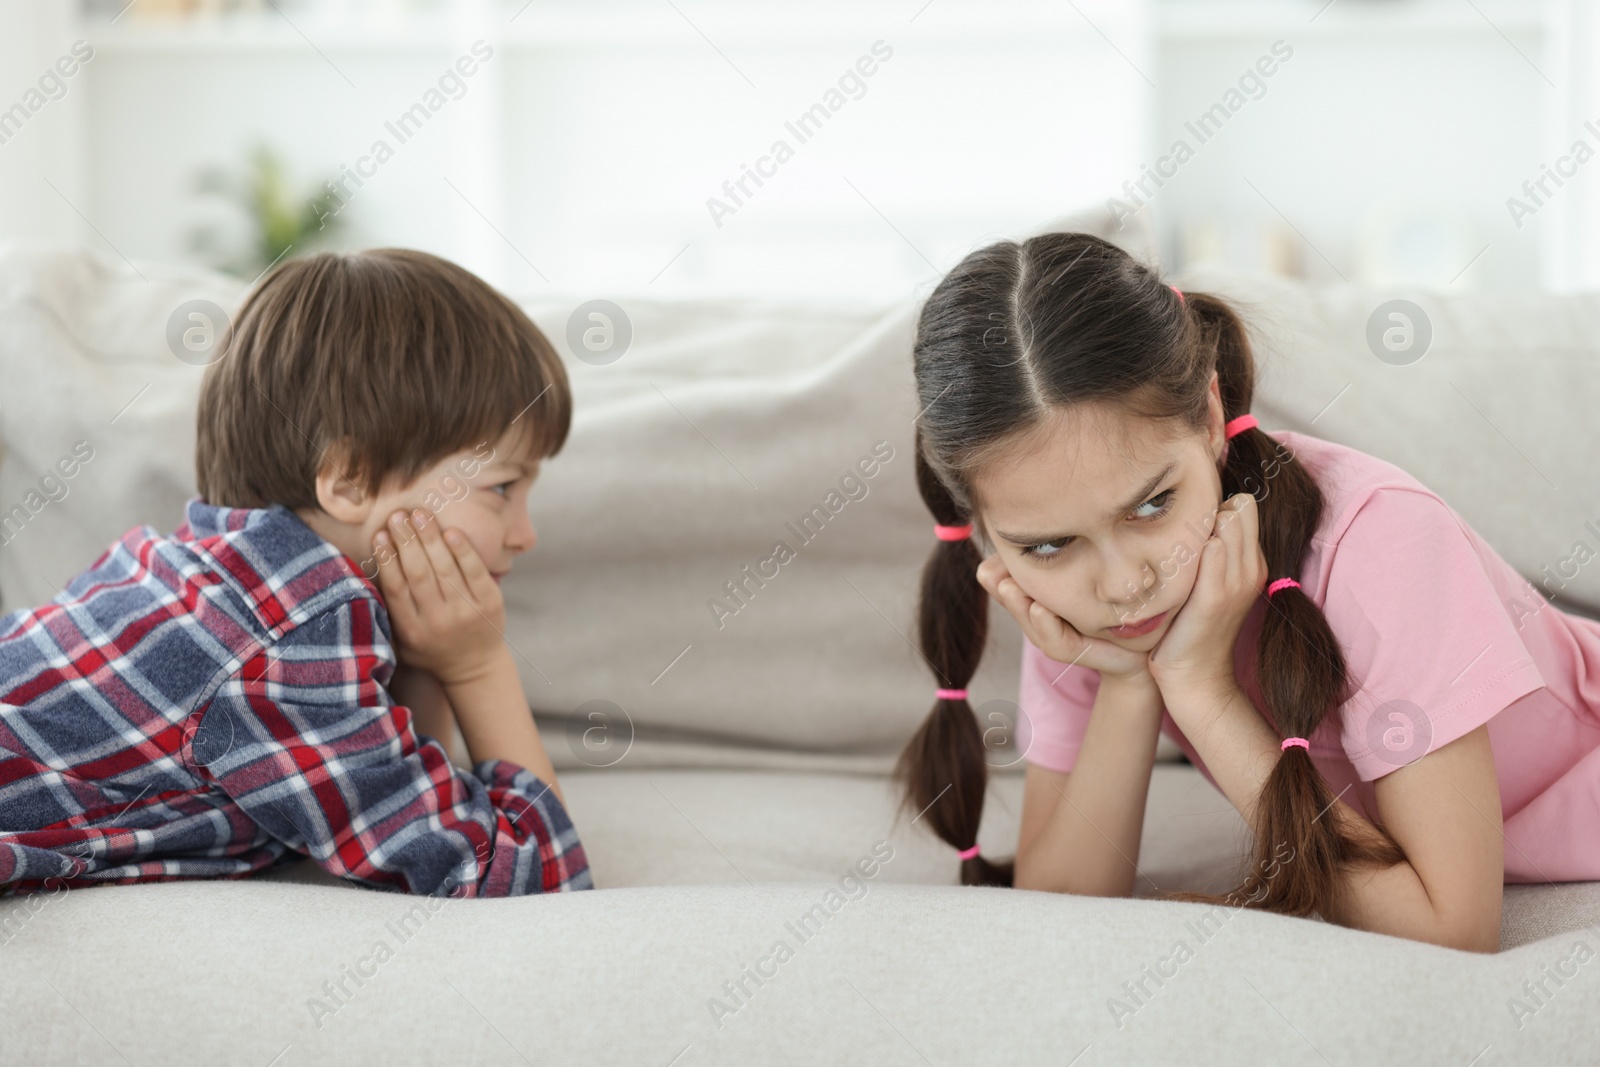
point(968, 853)
point(952, 533)
point(951, 694)
point(1239, 425)
point(1175, 289)
point(1302, 742)
point(1282, 583)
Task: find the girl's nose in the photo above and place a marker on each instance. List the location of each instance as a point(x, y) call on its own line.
point(1125, 580)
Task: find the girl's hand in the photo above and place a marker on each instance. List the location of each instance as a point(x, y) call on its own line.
point(446, 610)
point(1055, 636)
point(1197, 649)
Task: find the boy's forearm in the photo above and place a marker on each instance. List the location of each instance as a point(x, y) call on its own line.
point(495, 722)
point(424, 695)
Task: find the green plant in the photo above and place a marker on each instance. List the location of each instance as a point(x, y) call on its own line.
point(279, 222)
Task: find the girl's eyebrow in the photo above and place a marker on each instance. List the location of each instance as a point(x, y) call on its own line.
point(1139, 498)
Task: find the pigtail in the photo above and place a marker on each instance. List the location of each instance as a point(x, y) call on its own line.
point(942, 771)
point(1300, 850)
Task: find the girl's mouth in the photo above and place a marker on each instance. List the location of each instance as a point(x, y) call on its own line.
point(1138, 629)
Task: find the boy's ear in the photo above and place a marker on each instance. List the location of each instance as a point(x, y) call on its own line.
point(338, 494)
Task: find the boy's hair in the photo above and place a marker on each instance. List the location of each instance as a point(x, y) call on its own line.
point(402, 356)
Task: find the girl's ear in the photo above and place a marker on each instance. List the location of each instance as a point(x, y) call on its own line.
point(1216, 421)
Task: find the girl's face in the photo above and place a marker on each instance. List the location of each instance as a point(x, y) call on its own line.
point(1101, 520)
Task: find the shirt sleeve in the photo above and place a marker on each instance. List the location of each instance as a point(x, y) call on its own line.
point(307, 742)
point(1055, 701)
point(1426, 635)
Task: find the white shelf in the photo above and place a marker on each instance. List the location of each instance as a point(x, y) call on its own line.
point(660, 26)
point(1196, 19)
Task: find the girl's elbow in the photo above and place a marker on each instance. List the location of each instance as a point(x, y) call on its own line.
point(1023, 877)
point(1473, 925)
point(1478, 937)
point(1029, 873)
point(1026, 873)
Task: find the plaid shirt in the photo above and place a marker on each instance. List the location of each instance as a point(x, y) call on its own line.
point(207, 704)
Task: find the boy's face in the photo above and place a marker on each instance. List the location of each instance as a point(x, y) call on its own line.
point(481, 491)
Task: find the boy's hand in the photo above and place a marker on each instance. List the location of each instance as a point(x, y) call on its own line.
point(1055, 636)
point(447, 612)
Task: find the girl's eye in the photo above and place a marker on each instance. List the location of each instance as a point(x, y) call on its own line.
point(1059, 545)
point(504, 488)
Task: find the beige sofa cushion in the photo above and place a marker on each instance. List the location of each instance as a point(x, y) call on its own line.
point(893, 966)
point(1497, 416)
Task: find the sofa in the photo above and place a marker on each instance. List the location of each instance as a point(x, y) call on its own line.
point(760, 897)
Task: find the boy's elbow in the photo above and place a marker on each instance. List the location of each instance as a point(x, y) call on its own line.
point(566, 871)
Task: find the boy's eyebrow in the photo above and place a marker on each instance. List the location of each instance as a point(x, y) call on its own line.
point(1139, 498)
point(523, 466)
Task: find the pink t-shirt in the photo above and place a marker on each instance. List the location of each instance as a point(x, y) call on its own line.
point(1441, 635)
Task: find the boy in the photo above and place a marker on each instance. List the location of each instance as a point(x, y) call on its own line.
point(209, 704)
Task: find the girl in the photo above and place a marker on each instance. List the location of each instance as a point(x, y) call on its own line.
point(1362, 676)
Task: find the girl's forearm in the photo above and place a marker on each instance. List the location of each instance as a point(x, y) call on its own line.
point(1231, 738)
point(496, 723)
point(1240, 750)
point(1089, 843)
point(1394, 901)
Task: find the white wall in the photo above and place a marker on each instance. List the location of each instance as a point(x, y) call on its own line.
point(583, 153)
point(48, 148)
point(581, 156)
point(1389, 143)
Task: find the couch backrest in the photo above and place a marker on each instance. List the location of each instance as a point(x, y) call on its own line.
point(1496, 415)
point(732, 427)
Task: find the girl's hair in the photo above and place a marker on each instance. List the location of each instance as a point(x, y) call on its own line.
point(398, 356)
point(1016, 331)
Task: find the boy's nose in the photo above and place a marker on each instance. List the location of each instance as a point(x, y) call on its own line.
point(523, 536)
